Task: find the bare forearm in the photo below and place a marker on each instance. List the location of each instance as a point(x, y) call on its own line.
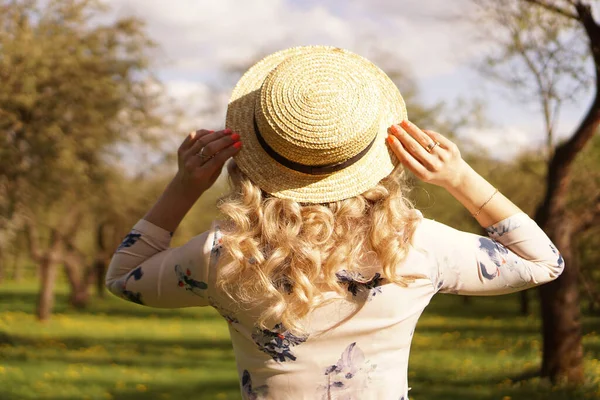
point(472, 191)
point(201, 157)
point(172, 206)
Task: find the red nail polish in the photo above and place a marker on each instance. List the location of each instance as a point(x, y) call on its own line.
point(235, 137)
point(227, 131)
point(237, 145)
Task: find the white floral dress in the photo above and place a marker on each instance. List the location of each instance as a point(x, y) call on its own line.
point(347, 354)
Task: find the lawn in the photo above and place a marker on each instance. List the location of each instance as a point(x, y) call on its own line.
point(117, 350)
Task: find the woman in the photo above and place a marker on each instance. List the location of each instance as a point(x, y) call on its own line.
point(322, 267)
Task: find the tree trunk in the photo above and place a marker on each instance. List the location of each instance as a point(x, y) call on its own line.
point(79, 294)
point(48, 259)
point(101, 262)
point(17, 270)
point(3, 261)
point(561, 315)
point(48, 271)
point(17, 265)
point(524, 297)
point(99, 270)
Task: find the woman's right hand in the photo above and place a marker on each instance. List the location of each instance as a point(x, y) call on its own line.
point(202, 155)
point(200, 158)
point(442, 165)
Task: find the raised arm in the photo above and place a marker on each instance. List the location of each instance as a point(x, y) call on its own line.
point(516, 255)
point(443, 166)
point(144, 269)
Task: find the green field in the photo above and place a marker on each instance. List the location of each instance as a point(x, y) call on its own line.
point(117, 350)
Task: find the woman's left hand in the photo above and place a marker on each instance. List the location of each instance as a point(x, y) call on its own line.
point(201, 157)
point(429, 155)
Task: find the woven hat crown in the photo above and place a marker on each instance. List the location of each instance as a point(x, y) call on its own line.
point(319, 108)
point(313, 120)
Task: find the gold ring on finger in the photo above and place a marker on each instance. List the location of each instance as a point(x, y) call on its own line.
point(431, 146)
point(202, 156)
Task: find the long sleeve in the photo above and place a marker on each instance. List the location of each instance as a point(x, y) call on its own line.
point(146, 271)
point(517, 255)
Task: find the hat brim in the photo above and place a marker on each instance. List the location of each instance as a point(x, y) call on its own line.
point(283, 182)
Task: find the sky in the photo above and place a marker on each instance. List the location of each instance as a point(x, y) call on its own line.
point(201, 40)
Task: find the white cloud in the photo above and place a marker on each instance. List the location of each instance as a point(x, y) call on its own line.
point(504, 142)
point(200, 36)
point(193, 90)
point(203, 106)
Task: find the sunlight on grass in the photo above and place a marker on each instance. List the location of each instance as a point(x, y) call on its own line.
point(117, 350)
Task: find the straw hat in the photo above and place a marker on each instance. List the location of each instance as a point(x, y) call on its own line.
point(313, 121)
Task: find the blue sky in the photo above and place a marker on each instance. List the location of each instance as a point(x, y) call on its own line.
point(200, 38)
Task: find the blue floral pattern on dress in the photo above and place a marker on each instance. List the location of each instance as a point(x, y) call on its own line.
point(277, 342)
point(186, 281)
point(217, 245)
point(503, 260)
point(503, 227)
point(249, 392)
point(560, 261)
point(496, 253)
point(129, 240)
point(357, 283)
point(134, 297)
point(349, 377)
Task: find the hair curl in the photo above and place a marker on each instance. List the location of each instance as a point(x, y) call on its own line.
point(277, 249)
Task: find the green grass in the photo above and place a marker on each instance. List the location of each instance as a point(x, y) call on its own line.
point(118, 350)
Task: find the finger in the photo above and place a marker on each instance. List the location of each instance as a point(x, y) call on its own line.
point(411, 145)
point(438, 137)
point(187, 141)
point(212, 149)
point(204, 140)
point(406, 158)
point(421, 137)
point(217, 162)
point(449, 148)
point(191, 138)
point(216, 146)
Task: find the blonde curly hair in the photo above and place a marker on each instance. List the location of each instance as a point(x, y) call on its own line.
point(277, 249)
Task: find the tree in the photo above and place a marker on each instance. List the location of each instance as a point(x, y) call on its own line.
point(543, 49)
point(74, 91)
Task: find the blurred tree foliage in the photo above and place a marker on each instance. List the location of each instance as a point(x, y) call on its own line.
point(74, 91)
